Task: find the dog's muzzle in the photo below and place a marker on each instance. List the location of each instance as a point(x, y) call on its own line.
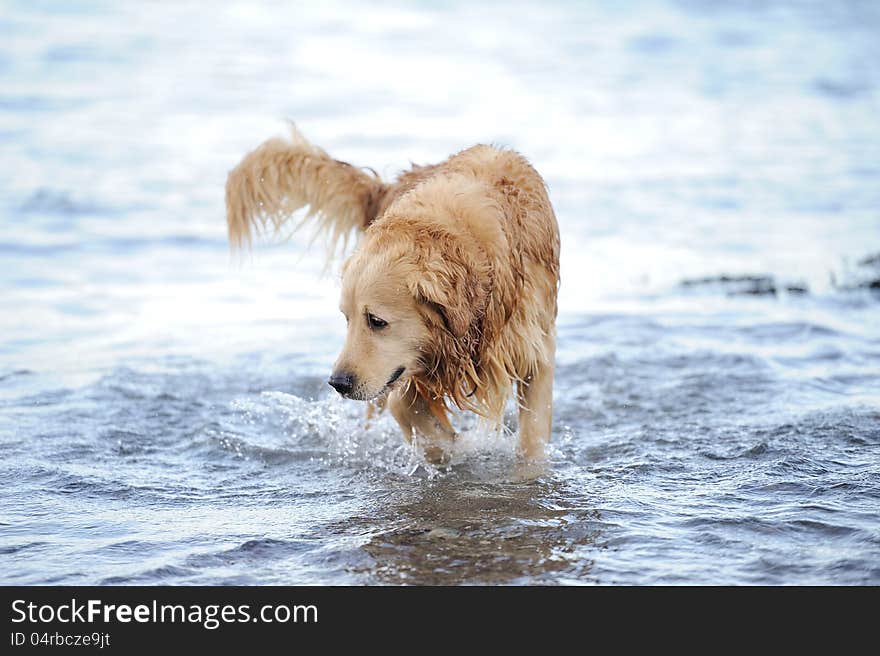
point(342, 383)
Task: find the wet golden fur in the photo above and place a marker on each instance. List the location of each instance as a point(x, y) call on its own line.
point(462, 257)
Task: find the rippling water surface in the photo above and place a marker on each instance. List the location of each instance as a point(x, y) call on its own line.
point(716, 173)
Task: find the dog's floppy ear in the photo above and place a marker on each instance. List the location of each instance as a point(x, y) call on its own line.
point(452, 289)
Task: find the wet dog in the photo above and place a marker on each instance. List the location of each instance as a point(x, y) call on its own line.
point(450, 296)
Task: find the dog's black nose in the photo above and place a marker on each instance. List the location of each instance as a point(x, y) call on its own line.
point(342, 383)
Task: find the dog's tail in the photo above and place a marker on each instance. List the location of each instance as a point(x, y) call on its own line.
point(282, 176)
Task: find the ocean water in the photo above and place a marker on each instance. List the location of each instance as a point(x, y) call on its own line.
point(715, 167)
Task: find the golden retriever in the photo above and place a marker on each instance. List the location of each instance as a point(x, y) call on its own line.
point(450, 296)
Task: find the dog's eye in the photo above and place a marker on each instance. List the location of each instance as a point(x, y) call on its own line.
point(375, 322)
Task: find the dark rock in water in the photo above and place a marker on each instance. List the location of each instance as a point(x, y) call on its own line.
point(866, 277)
point(870, 261)
point(755, 287)
point(872, 285)
point(714, 280)
point(746, 285)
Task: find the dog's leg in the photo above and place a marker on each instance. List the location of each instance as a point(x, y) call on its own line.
point(425, 422)
point(536, 407)
point(374, 409)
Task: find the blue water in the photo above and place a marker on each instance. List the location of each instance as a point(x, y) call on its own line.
point(164, 416)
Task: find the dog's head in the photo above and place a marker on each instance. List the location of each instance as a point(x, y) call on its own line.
point(404, 304)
